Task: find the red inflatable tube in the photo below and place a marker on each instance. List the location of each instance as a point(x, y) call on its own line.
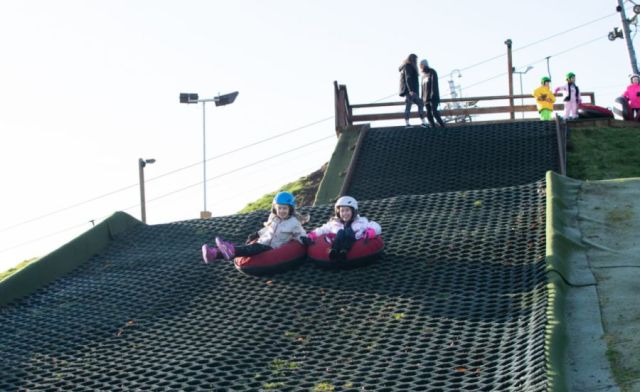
point(593, 111)
point(363, 252)
point(280, 259)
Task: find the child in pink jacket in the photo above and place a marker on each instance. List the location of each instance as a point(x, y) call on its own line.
point(632, 94)
point(345, 228)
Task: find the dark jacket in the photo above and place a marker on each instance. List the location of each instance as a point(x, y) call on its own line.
point(408, 79)
point(430, 89)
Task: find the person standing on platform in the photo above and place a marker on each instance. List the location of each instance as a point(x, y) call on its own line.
point(409, 88)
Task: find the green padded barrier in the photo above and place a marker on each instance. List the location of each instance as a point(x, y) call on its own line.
point(556, 333)
point(560, 242)
point(565, 252)
point(66, 258)
point(329, 189)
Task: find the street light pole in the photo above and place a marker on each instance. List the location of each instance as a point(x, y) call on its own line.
point(627, 35)
point(141, 164)
point(509, 43)
point(220, 100)
point(205, 214)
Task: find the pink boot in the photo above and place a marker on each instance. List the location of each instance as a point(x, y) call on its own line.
point(226, 248)
point(209, 253)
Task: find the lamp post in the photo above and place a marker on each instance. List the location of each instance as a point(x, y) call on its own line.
point(220, 100)
point(141, 164)
point(454, 93)
point(529, 68)
point(510, 68)
point(627, 33)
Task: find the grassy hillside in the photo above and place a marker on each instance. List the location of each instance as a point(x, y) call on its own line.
point(304, 190)
point(602, 153)
point(13, 270)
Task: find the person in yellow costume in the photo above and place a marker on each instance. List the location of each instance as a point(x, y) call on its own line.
point(544, 99)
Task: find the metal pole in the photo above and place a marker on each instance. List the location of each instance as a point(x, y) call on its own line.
point(548, 69)
point(143, 210)
point(508, 42)
point(627, 37)
point(521, 99)
point(204, 155)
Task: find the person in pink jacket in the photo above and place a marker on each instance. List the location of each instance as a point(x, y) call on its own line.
point(632, 95)
point(345, 228)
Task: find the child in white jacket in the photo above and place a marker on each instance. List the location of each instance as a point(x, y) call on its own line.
point(345, 228)
point(572, 99)
point(282, 226)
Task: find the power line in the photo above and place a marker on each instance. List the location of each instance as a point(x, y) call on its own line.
point(537, 42)
point(31, 241)
point(564, 32)
point(299, 128)
point(576, 47)
point(75, 205)
point(175, 191)
point(236, 170)
point(539, 61)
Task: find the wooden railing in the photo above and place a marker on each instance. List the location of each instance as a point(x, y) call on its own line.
point(468, 106)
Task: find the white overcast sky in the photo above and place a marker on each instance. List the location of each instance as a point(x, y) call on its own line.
point(87, 87)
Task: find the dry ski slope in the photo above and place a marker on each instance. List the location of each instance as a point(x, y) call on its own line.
point(457, 302)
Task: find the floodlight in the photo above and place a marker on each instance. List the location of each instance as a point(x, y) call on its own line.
point(188, 98)
point(226, 99)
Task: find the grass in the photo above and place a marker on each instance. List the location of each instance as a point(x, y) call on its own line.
point(604, 153)
point(304, 190)
point(13, 270)
point(324, 387)
point(623, 373)
point(620, 215)
point(270, 386)
point(280, 367)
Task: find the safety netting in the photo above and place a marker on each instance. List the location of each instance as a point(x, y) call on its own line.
point(397, 161)
point(456, 303)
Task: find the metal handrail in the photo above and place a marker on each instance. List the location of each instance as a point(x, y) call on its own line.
point(561, 136)
point(354, 158)
point(346, 118)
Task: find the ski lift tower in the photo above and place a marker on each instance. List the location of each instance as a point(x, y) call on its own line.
point(454, 94)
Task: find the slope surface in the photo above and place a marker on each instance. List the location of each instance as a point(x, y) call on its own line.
point(456, 303)
point(397, 161)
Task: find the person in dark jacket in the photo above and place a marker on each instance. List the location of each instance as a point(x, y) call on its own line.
point(409, 88)
point(430, 93)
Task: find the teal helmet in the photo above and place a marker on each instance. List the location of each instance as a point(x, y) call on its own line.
point(285, 198)
point(545, 79)
point(570, 75)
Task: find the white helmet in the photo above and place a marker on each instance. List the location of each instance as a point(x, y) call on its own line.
point(347, 201)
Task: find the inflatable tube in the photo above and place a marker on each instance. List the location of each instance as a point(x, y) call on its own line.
point(280, 259)
point(361, 253)
point(593, 111)
point(621, 109)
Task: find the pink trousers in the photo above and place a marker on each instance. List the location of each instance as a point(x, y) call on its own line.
point(571, 109)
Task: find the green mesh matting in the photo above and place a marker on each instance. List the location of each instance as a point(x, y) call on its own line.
point(397, 161)
point(456, 303)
